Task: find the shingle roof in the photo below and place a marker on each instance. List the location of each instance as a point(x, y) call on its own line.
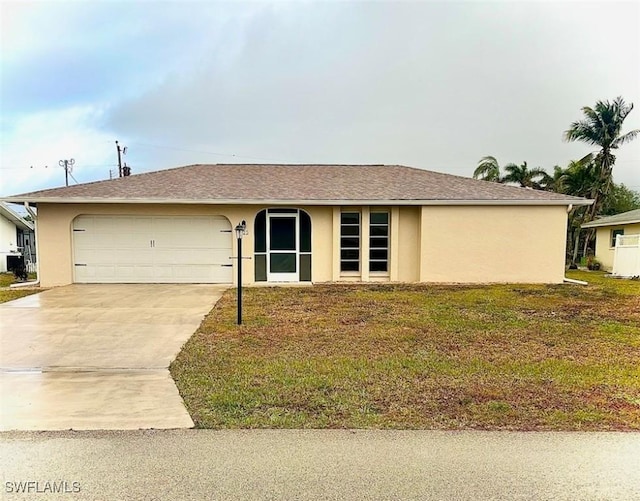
point(246, 183)
point(633, 216)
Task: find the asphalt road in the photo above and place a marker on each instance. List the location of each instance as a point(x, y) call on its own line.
point(314, 464)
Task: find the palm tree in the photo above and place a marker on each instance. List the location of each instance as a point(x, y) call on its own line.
point(525, 177)
point(602, 127)
point(488, 169)
point(554, 182)
point(581, 179)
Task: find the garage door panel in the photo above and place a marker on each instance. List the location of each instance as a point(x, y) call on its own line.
point(147, 249)
point(133, 257)
point(135, 274)
point(192, 256)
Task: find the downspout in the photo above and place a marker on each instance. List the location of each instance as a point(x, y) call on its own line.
point(573, 281)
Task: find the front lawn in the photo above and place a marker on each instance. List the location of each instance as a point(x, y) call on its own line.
point(521, 357)
point(6, 294)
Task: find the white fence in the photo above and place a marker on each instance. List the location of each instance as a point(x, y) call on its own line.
point(626, 258)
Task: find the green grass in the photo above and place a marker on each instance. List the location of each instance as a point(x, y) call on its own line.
point(6, 294)
point(521, 357)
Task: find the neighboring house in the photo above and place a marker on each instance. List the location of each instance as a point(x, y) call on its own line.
point(319, 223)
point(608, 228)
point(17, 237)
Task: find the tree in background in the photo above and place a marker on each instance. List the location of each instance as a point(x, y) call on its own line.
point(602, 127)
point(488, 169)
point(580, 179)
point(556, 181)
point(527, 178)
point(621, 199)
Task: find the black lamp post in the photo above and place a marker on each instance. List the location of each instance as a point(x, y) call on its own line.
point(241, 230)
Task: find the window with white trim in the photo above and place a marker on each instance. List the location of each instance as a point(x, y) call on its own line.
point(379, 241)
point(614, 234)
point(350, 241)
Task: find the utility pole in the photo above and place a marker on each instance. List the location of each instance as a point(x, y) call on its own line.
point(68, 167)
point(121, 151)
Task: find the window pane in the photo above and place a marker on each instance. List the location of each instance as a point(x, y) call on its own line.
point(379, 231)
point(282, 233)
point(378, 254)
point(350, 254)
point(305, 267)
point(305, 232)
point(350, 218)
point(349, 266)
point(350, 243)
point(350, 230)
point(378, 266)
point(260, 229)
point(261, 267)
point(282, 263)
point(379, 218)
point(614, 234)
point(378, 242)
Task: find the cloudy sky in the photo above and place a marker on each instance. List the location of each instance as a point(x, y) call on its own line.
point(435, 85)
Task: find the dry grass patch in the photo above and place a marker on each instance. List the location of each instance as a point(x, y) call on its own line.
point(530, 357)
point(7, 294)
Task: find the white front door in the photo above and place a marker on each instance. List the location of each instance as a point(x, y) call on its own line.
point(282, 247)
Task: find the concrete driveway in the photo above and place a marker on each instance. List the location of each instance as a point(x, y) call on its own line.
point(89, 357)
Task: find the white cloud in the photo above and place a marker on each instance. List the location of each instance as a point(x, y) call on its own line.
point(29, 158)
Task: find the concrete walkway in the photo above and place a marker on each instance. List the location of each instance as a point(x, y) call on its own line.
point(89, 357)
point(323, 465)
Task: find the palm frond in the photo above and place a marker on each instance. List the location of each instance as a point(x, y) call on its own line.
point(625, 138)
point(488, 169)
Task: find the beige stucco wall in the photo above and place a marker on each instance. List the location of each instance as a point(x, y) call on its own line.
point(431, 244)
point(409, 244)
point(604, 251)
point(493, 244)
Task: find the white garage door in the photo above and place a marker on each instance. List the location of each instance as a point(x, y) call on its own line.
point(146, 249)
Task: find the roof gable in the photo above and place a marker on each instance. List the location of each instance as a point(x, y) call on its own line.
point(251, 183)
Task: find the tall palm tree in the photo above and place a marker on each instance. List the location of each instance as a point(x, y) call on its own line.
point(488, 169)
point(602, 127)
point(525, 177)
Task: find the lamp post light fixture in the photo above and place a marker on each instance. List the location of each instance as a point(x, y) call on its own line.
point(241, 230)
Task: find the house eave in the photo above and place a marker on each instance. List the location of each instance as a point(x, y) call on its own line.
point(594, 224)
point(15, 218)
point(169, 201)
